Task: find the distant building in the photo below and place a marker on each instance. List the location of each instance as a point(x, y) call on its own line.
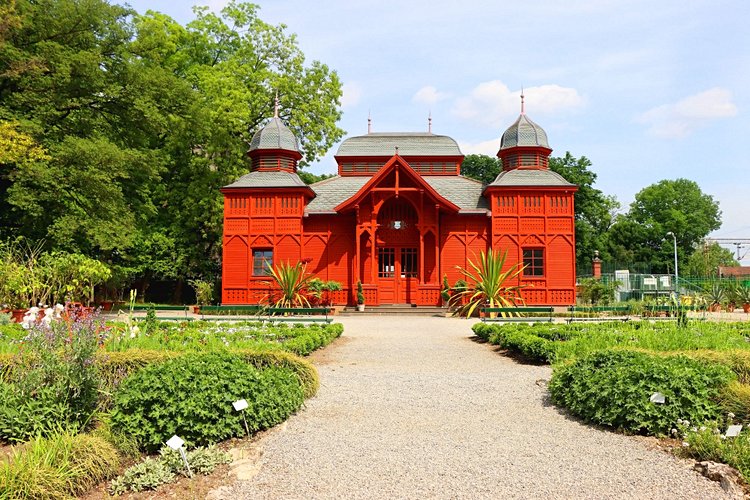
point(734, 271)
point(398, 216)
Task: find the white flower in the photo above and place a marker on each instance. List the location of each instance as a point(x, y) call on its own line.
point(730, 415)
point(685, 444)
point(702, 428)
point(679, 421)
point(674, 432)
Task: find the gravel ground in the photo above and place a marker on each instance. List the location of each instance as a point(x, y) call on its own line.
point(414, 408)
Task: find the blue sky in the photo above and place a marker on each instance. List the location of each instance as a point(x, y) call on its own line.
point(647, 90)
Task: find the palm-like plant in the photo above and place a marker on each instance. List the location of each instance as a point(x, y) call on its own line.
point(488, 285)
point(292, 281)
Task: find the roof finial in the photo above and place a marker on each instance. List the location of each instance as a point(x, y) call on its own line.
point(276, 105)
point(369, 122)
point(396, 150)
point(429, 123)
point(523, 110)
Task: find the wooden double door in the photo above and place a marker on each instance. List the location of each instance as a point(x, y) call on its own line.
point(398, 274)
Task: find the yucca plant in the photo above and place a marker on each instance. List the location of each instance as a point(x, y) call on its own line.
point(488, 285)
point(293, 282)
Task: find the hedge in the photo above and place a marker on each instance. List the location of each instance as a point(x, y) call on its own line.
point(614, 387)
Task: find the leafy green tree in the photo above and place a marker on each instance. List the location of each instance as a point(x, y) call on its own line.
point(481, 167)
point(678, 206)
point(705, 260)
point(594, 211)
point(310, 178)
point(123, 127)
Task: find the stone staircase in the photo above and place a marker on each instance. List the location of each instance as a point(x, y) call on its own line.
point(395, 310)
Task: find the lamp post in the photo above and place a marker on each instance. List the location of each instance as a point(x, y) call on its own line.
point(676, 274)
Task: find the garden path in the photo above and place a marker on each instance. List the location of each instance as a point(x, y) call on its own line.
point(414, 408)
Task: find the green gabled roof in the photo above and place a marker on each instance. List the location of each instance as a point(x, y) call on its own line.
point(524, 132)
point(408, 143)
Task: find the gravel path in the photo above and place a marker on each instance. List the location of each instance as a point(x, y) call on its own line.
point(414, 408)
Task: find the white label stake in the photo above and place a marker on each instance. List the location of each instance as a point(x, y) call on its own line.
point(240, 405)
point(176, 442)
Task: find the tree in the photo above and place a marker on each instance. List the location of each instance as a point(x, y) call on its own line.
point(310, 178)
point(678, 206)
point(124, 127)
point(594, 211)
point(705, 260)
point(481, 167)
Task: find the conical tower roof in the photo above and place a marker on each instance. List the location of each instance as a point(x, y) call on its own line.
point(274, 135)
point(524, 132)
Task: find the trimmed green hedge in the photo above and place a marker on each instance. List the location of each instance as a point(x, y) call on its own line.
point(614, 387)
point(192, 396)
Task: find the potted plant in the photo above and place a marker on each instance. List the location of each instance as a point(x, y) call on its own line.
point(714, 297)
point(731, 292)
point(743, 297)
point(204, 293)
point(360, 297)
point(445, 291)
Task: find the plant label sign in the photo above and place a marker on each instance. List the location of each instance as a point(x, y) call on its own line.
point(175, 442)
point(658, 398)
point(240, 404)
point(733, 431)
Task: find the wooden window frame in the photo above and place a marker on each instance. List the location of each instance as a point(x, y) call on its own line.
point(533, 262)
point(265, 263)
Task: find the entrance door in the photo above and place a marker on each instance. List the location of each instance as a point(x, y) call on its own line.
point(397, 274)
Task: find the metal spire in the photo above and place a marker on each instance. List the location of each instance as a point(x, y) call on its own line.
point(429, 123)
point(276, 105)
point(523, 110)
point(369, 122)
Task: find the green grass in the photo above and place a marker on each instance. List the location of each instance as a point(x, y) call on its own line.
point(60, 466)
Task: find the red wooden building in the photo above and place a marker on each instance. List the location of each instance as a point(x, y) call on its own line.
point(398, 216)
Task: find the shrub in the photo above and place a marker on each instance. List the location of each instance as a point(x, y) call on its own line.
point(707, 443)
point(613, 388)
point(153, 472)
point(147, 475)
point(192, 396)
point(735, 399)
point(53, 377)
point(526, 343)
point(23, 417)
point(115, 366)
point(62, 465)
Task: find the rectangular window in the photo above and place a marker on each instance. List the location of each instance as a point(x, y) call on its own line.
point(386, 262)
point(409, 263)
point(533, 261)
point(262, 262)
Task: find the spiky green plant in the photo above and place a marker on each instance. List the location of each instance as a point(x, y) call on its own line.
point(292, 281)
point(488, 285)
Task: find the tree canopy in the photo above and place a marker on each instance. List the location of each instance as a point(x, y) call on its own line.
point(481, 167)
point(677, 206)
point(117, 129)
point(594, 211)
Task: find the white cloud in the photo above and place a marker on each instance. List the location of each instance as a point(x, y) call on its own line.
point(493, 103)
point(488, 148)
point(678, 120)
point(352, 93)
point(429, 95)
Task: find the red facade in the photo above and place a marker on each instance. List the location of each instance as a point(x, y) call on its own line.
point(398, 217)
